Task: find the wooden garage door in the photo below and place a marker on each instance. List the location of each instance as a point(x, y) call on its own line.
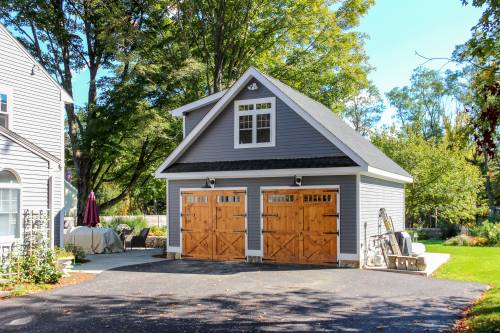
point(300, 226)
point(213, 225)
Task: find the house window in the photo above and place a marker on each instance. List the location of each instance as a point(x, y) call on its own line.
point(281, 198)
point(4, 108)
point(10, 197)
point(191, 199)
point(228, 198)
point(255, 123)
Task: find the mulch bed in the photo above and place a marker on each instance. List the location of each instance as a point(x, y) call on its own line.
point(74, 278)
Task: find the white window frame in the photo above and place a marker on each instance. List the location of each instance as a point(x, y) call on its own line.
point(6, 90)
point(254, 113)
point(18, 186)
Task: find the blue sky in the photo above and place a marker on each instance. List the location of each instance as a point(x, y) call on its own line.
point(396, 29)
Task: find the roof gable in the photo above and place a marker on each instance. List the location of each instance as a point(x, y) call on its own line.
point(65, 96)
point(360, 150)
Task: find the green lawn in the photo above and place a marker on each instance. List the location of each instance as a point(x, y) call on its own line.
point(478, 264)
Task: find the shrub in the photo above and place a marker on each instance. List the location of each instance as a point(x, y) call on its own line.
point(63, 253)
point(136, 223)
point(158, 231)
point(38, 267)
point(77, 251)
point(461, 240)
point(489, 231)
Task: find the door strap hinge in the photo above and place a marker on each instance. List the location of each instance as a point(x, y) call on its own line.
point(269, 215)
point(336, 215)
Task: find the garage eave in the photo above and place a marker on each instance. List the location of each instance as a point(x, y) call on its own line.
point(263, 173)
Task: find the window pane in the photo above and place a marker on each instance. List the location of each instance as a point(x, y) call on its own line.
point(9, 212)
point(263, 135)
point(263, 120)
point(246, 107)
point(3, 103)
point(263, 106)
point(245, 122)
point(3, 120)
point(245, 136)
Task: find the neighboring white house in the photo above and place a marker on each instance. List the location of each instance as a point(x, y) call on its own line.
point(31, 140)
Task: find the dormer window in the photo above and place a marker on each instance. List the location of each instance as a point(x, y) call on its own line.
point(255, 123)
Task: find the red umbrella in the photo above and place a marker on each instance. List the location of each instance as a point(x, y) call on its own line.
point(91, 217)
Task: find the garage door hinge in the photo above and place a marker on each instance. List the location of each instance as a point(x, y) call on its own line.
point(336, 215)
point(244, 215)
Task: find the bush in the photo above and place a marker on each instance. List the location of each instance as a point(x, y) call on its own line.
point(136, 223)
point(158, 231)
point(464, 240)
point(63, 253)
point(487, 230)
point(77, 251)
point(38, 267)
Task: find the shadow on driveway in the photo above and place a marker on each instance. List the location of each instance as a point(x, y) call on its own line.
point(214, 267)
point(300, 310)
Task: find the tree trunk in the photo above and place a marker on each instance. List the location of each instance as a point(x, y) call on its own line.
point(486, 172)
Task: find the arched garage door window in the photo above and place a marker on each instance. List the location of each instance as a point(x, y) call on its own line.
point(10, 205)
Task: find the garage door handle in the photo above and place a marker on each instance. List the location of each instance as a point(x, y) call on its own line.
point(269, 215)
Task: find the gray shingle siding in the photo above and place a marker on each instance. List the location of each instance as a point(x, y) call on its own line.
point(376, 194)
point(347, 205)
point(294, 136)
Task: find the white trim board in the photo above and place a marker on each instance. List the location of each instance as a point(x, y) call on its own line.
point(180, 111)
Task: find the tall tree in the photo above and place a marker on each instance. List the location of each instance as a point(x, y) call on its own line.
point(444, 178)
point(364, 110)
point(120, 132)
point(424, 104)
point(306, 43)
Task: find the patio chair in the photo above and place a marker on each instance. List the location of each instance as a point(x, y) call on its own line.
point(126, 237)
point(140, 240)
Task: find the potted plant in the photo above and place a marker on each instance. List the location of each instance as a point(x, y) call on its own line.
point(65, 261)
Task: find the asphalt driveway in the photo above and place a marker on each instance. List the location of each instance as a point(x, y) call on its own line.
point(203, 296)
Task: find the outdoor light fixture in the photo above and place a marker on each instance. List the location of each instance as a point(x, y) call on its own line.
point(297, 180)
point(210, 183)
point(253, 86)
point(35, 69)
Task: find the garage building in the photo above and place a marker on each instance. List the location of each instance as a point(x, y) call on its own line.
point(265, 173)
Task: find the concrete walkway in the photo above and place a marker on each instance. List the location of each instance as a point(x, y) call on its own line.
point(104, 262)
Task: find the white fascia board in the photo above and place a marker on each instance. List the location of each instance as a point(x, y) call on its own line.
point(386, 175)
point(179, 112)
point(263, 173)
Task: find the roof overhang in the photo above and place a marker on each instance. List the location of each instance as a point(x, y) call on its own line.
point(181, 111)
point(381, 174)
point(263, 173)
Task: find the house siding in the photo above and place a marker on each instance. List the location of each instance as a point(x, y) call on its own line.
point(191, 119)
point(37, 116)
point(295, 137)
point(375, 194)
point(348, 229)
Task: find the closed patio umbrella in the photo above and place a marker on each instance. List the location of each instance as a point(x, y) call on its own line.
point(91, 217)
